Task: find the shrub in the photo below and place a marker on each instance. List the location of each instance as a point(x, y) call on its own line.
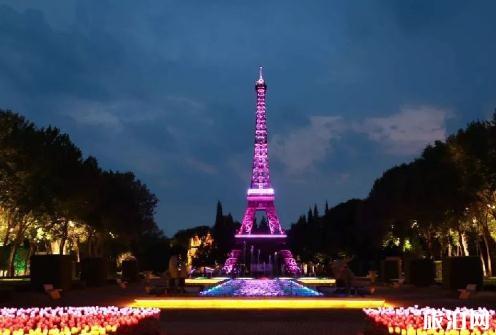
point(420, 272)
point(460, 271)
point(94, 271)
point(390, 269)
point(130, 270)
point(51, 269)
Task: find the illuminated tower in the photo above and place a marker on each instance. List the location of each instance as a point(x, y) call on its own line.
point(260, 196)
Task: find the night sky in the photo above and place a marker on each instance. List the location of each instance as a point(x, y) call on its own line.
point(166, 89)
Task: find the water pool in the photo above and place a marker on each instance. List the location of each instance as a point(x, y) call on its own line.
point(260, 288)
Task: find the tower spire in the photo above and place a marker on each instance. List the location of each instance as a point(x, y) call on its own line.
point(260, 75)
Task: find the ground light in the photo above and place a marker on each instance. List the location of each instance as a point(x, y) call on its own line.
point(260, 303)
point(317, 281)
point(204, 280)
point(78, 320)
point(427, 320)
point(304, 280)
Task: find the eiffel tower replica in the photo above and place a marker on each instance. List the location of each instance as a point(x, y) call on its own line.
point(261, 253)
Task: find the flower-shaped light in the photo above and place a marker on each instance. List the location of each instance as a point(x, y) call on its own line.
point(427, 320)
point(78, 321)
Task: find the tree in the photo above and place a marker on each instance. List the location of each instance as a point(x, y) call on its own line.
point(315, 211)
point(50, 194)
point(20, 198)
point(261, 227)
point(309, 216)
point(219, 216)
point(223, 232)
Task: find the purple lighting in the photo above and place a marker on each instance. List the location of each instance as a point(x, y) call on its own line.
point(260, 174)
point(260, 196)
point(260, 191)
point(260, 288)
point(269, 236)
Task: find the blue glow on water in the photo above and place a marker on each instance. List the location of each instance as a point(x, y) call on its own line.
point(260, 288)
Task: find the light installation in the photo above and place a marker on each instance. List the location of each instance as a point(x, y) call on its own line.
point(272, 303)
point(205, 280)
point(427, 320)
point(260, 197)
point(260, 288)
point(78, 320)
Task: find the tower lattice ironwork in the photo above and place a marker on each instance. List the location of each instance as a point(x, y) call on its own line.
point(260, 196)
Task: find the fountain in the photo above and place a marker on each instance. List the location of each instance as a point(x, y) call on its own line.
point(276, 287)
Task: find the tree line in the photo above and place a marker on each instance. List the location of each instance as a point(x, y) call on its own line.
point(54, 200)
point(441, 204)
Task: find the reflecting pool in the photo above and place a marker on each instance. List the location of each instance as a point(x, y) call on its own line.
point(260, 288)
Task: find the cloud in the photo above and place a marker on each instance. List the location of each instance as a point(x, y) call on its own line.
point(407, 132)
point(300, 149)
point(175, 113)
point(115, 114)
point(404, 133)
point(95, 114)
point(343, 178)
point(201, 165)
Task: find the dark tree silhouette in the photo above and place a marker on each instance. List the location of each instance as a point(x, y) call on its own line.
point(442, 203)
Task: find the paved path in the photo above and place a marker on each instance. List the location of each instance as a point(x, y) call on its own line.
point(264, 322)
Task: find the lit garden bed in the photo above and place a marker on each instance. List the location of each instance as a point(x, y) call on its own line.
point(437, 321)
point(79, 321)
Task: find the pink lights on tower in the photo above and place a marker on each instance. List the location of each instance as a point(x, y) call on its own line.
point(260, 191)
point(260, 195)
point(260, 177)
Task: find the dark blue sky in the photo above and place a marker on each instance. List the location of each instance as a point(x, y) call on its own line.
point(165, 89)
